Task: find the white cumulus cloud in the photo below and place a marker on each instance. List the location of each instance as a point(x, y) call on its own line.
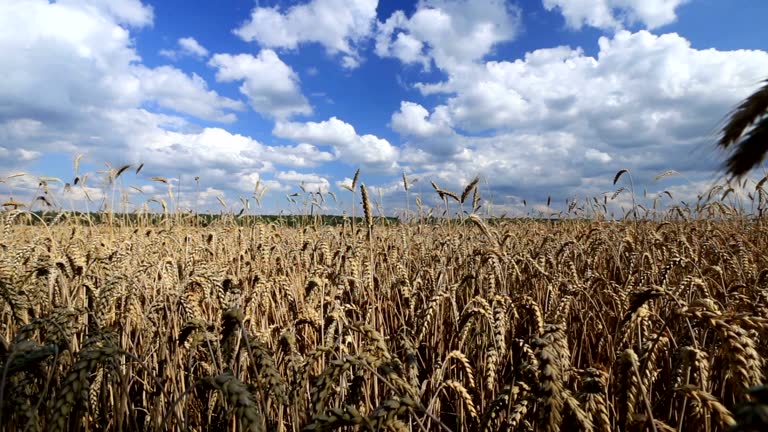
point(368, 150)
point(560, 120)
point(615, 14)
point(192, 46)
point(81, 87)
point(311, 182)
point(414, 119)
point(339, 25)
point(174, 89)
point(131, 12)
point(451, 32)
point(188, 46)
point(271, 86)
point(78, 59)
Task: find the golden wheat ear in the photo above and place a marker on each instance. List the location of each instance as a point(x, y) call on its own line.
point(750, 151)
point(754, 144)
point(751, 109)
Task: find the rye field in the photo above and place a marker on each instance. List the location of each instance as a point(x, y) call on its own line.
point(467, 323)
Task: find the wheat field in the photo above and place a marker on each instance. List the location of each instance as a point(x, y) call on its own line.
point(461, 324)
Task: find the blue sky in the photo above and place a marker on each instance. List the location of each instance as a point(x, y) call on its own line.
point(540, 98)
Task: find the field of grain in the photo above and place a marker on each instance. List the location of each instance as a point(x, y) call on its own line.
point(465, 324)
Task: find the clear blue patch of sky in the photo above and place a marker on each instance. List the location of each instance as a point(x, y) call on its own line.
point(723, 25)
